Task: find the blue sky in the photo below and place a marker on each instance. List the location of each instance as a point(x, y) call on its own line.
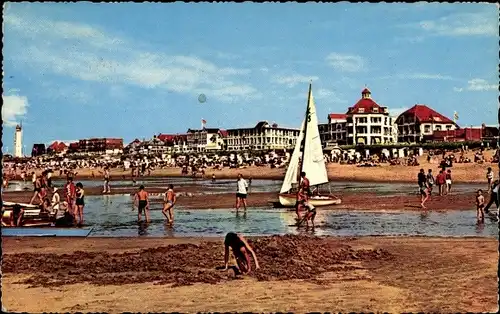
point(79, 70)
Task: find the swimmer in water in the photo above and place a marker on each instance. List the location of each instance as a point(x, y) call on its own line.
point(141, 199)
point(240, 248)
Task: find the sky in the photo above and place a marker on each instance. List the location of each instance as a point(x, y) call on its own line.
point(132, 70)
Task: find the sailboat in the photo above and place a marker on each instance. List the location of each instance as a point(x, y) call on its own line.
point(307, 157)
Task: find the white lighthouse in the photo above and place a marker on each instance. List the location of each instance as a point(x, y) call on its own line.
point(18, 142)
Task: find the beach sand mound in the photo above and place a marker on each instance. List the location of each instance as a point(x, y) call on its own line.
point(280, 257)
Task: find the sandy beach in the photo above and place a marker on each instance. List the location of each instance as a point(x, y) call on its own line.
point(462, 173)
point(298, 274)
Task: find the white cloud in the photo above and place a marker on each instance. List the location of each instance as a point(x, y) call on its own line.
point(461, 24)
point(345, 62)
point(294, 79)
point(14, 107)
point(477, 85)
point(418, 76)
point(86, 53)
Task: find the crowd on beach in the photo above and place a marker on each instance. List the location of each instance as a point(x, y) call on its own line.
point(443, 183)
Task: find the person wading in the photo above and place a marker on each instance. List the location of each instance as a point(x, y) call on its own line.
point(141, 199)
point(241, 193)
point(423, 187)
point(168, 204)
point(79, 203)
point(302, 194)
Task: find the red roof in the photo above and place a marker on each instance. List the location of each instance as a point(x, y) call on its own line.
point(53, 145)
point(426, 114)
point(223, 133)
point(337, 116)
point(367, 104)
point(61, 146)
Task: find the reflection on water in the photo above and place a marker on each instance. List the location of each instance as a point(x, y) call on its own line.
point(112, 215)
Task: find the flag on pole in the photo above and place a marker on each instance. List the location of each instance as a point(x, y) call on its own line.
point(455, 115)
point(203, 123)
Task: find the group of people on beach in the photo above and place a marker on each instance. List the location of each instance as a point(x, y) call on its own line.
point(427, 181)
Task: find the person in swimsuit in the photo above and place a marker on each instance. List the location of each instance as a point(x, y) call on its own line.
point(79, 203)
point(38, 190)
point(70, 194)
point(168, 204)
point(240, 248)
point(302, 194)
point(309, 215)
point(480, 206)
point(142, 202)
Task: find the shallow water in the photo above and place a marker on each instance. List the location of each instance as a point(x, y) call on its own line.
point(112, 215)
point(228, 185)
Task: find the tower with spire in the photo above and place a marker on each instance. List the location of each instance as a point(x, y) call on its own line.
point(18, 141)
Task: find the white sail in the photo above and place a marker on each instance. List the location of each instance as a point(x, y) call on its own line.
point(293, 166)
point(313, 160)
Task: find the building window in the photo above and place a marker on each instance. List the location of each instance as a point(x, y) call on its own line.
point(375, 110)
point(448, 127)
point(438, 128)
point(427, 129)
point(361, 110)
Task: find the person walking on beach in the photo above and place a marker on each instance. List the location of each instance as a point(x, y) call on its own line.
point(423, 187)
point(141, 200)
point(493, 197)
point(37, 190)
point(79, 203)
point(240, 248)
point(480, 206)
point(430, 181)
point(241, 193)
point(448, 181)
point(168, 204)
point(441, 181)
point(489, 177)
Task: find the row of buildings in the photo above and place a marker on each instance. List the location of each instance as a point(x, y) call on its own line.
point(365, 123)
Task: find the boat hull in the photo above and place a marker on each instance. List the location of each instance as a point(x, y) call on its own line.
point(289, 200)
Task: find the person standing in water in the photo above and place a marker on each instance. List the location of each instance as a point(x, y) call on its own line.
point(168, 204)
point(240, 248)
point(241, 193)
point(430, 181)
point(480, 206)
point(106, 187)
point(423, 187)
point(79, 203)
point(141, 200)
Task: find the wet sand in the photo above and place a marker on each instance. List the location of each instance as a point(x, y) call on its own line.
point(298, 273)
point(192, 197)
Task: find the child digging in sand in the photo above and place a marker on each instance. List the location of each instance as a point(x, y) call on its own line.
point(480, 206)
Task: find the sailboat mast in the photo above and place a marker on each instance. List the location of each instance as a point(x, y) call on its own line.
point(305, 130)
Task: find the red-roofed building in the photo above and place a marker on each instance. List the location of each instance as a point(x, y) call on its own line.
point(419, 123)
point(368, 122)
point(57, 147)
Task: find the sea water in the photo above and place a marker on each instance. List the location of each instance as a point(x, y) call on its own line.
point(112, 215)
